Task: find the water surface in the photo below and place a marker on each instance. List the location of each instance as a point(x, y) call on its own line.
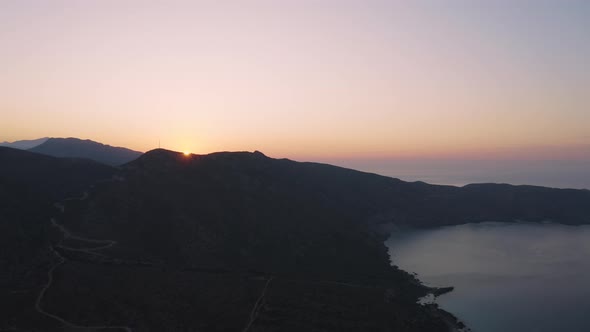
point(549, 173)
point(507, 277)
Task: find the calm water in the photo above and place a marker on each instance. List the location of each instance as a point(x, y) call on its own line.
point(550, 173)
point(507, 277)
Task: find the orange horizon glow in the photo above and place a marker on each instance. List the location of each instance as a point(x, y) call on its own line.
point(311, 153)
point(302, 79)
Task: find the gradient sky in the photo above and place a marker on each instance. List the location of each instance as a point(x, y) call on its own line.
point(302, 79)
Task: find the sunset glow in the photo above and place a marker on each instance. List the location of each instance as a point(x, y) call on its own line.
point(241, 165)
point(302, 79)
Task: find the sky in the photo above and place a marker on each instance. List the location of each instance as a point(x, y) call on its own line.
point(328, 80)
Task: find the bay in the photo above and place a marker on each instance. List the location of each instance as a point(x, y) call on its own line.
point(507, 276)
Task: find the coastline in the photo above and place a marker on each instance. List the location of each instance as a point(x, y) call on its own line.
point(487, 262)
point(451, 321)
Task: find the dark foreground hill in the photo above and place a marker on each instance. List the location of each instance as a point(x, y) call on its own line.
point(29, 185)
point(243, 242)
point(77, 148)
point(251, 210)
point(50, 177)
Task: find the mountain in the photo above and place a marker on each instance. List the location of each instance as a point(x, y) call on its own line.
point(245, 209)
point(201, 262)
point(232, 241)
point(24, 144)
point(29, 185)
point(315, 228)
point(50, 177)
point(77, 148)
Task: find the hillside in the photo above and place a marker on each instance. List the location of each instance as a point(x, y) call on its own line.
point(236, 240)
point(29, 185)
point(51, 177)
point(247, 209)
point(77, 148)
point(303, 223)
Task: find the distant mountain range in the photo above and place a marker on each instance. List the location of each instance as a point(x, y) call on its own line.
point(24, 144)
point(228, 241)
point(76, 148)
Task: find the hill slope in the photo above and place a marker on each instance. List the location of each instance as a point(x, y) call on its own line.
point(235, 241)
point(29, 185)
point(77, 148)
point(51, 177)
point(313, 227)
point(247, 209)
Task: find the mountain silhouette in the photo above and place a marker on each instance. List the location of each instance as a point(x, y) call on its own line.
point(51, 177)
point(260, 206)
point(77, 148)
point(24, 144)
point(232, 241)
point(30, 184)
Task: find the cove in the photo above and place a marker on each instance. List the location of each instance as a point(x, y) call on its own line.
point(507, 276)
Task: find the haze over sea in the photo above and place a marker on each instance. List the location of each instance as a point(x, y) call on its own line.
point(549, 173)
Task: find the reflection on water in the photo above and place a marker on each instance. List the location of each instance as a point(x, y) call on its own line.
point(507, 277)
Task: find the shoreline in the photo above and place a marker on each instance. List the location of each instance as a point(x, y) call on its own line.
point(453, 323)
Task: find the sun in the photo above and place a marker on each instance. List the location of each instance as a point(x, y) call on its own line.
point(186, 153)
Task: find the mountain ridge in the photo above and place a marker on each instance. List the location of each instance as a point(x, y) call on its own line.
point(447, 194)
point(79, 148)
point(51, 176)
point(24, 144)
point(302, 238)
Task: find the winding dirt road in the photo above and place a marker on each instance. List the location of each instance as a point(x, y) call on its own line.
point(258, 305)
point(89, 250)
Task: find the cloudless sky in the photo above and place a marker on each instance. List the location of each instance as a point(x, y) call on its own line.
point(302, 79)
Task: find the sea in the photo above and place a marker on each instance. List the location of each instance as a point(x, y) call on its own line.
point(549, 173)
point(509, 277)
